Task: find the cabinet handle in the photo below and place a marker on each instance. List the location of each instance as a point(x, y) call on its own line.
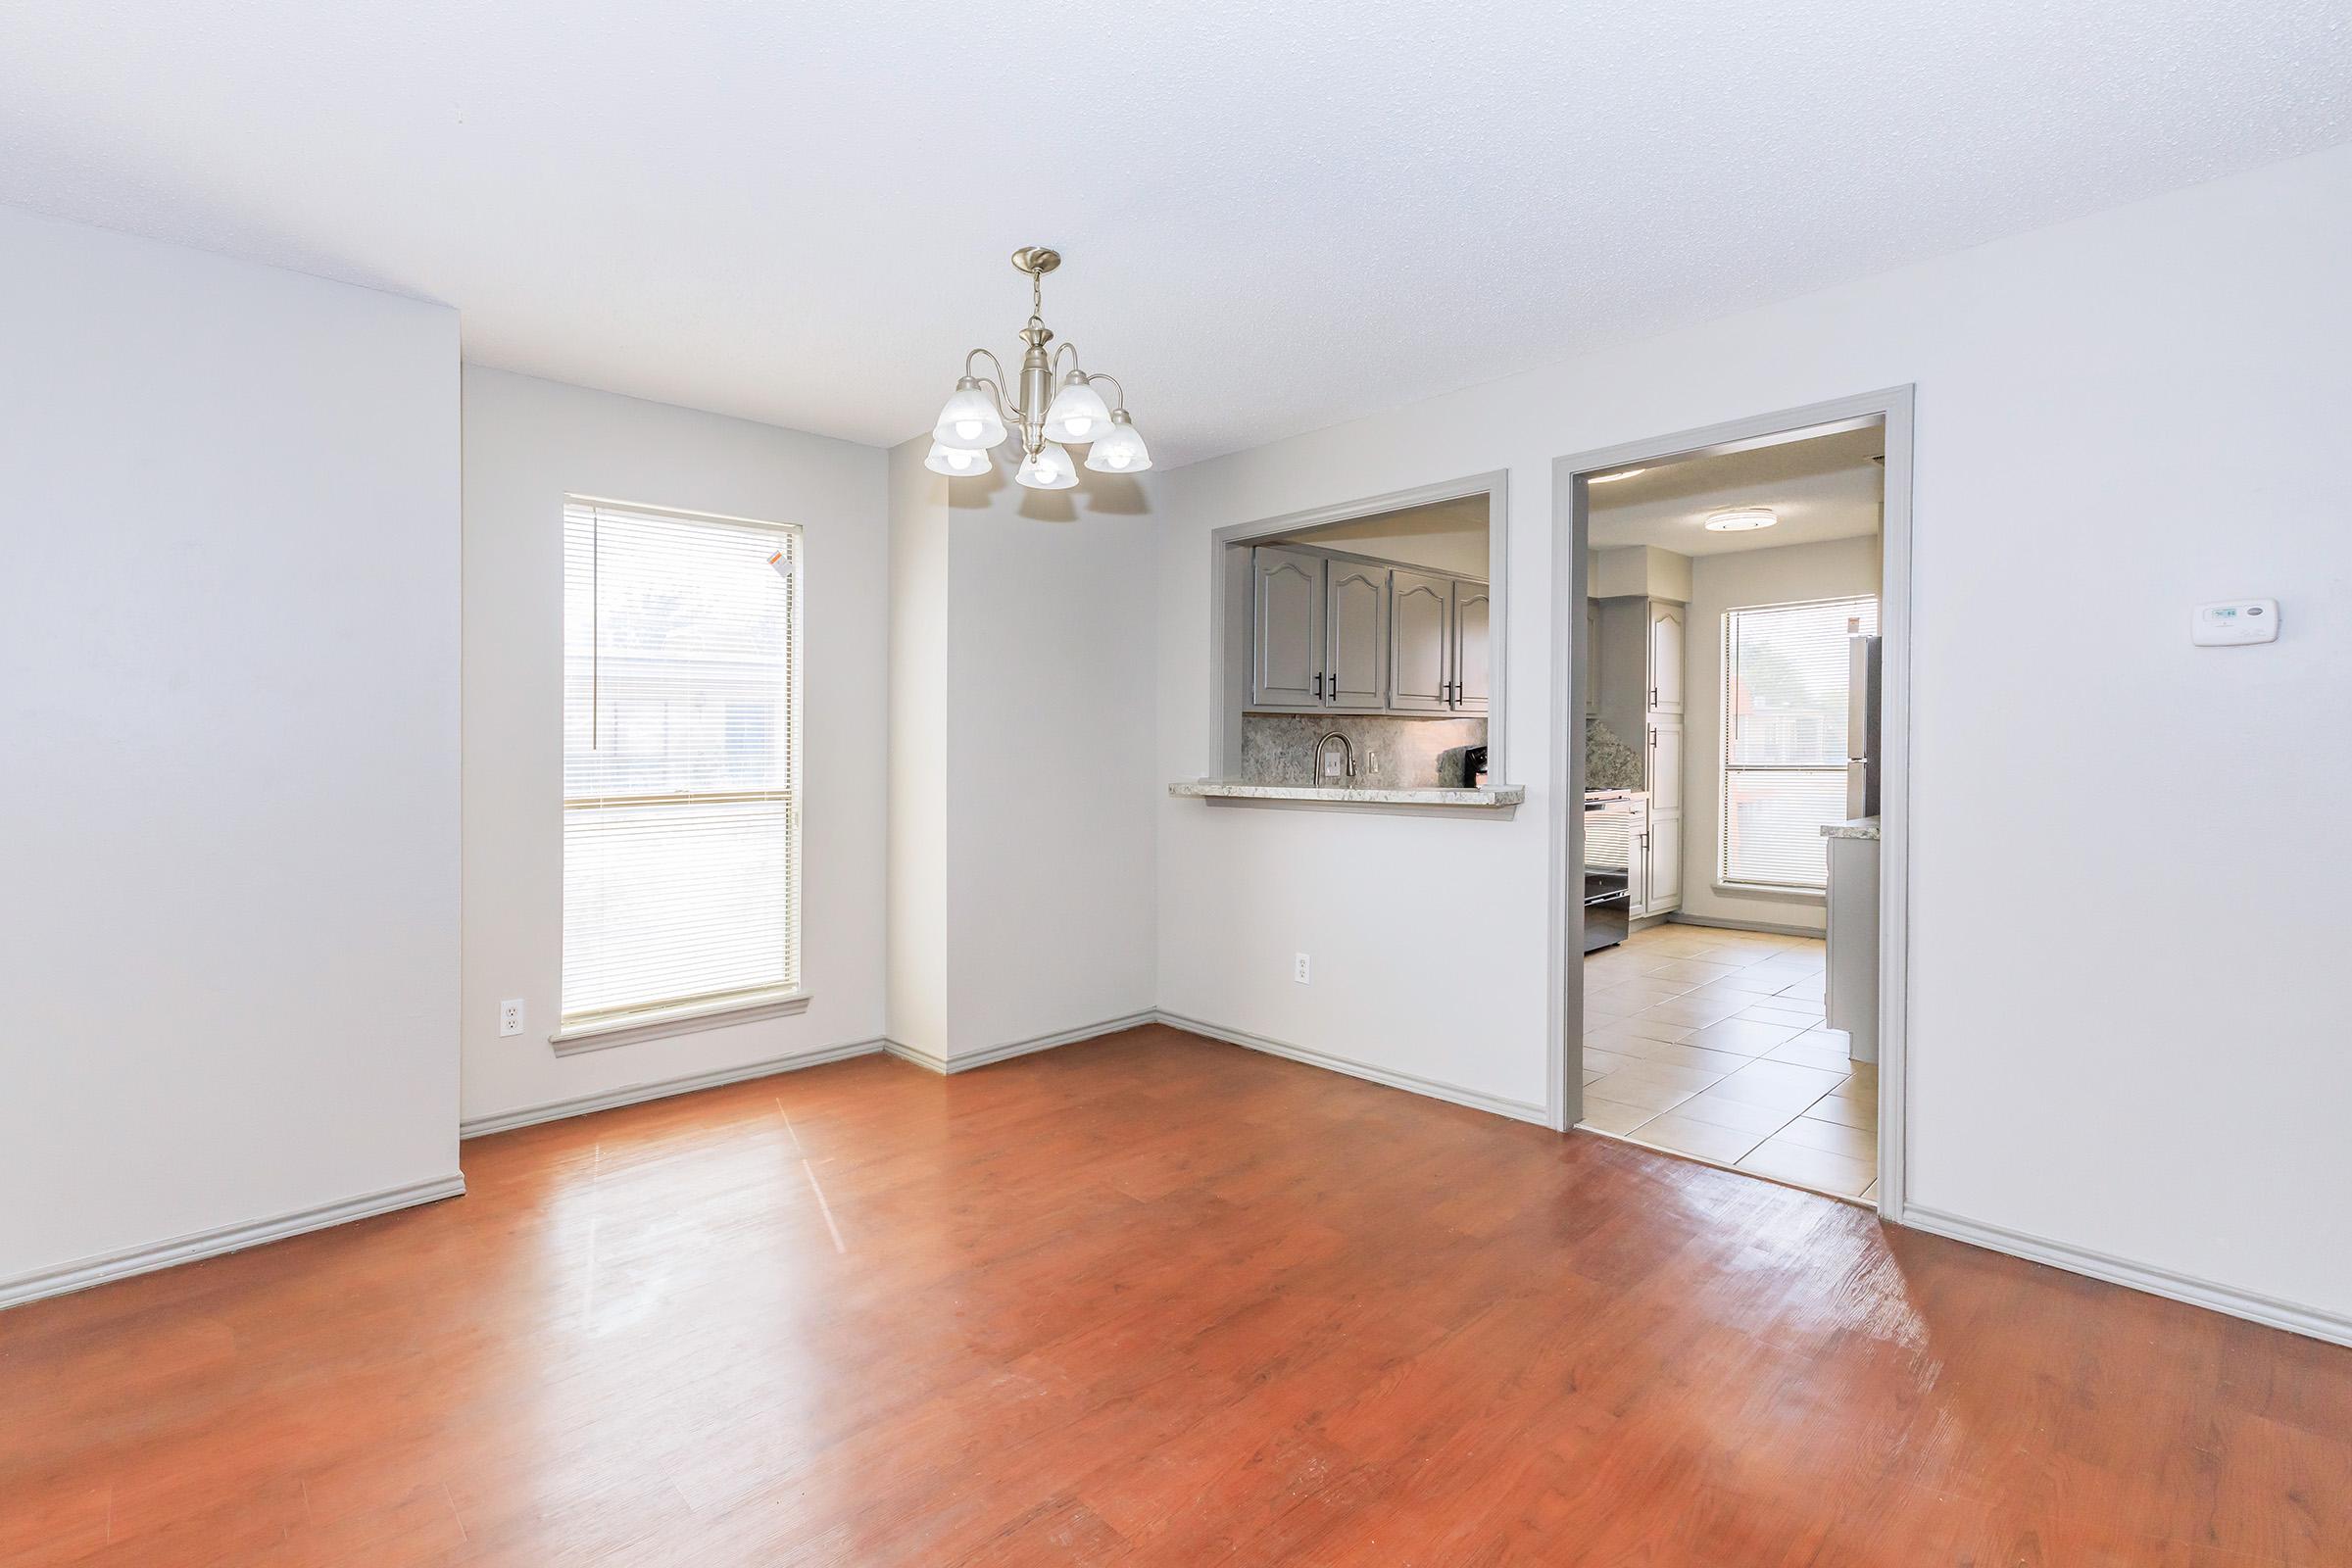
point(1318, 685)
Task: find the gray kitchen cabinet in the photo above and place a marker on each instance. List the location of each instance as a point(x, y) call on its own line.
point(1472, 680)
point(1286, 650)
point(1665, 657)
point(1665, 763)
point(1355, 621)
point(1334, 632)
point(1659, 887)
point(1850, 985)
point(1420, 643)
point(1639, 649)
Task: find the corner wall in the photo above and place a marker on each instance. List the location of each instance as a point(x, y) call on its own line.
point(1023, 725)
point(528, 443)
point(2133, 401)
point(228, 617)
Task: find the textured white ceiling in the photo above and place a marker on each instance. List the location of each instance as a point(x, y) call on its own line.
point(1825, 487)
point(1275, 217)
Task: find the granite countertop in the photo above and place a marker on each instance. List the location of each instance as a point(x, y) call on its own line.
point(1209, 789)
point(1860, 827)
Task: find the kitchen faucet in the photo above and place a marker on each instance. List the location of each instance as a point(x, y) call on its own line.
point(1324, 771)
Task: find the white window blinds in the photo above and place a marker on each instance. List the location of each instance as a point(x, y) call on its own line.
point(681, 815)
point(1785, 675)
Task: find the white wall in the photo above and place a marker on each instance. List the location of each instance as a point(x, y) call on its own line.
point(1053, 721)
point(1024, 717)
point(528, 443)
point(918, 1010)
point(2142, 403)
point(228, 623)
point(1023, 727)
point(1833, 570)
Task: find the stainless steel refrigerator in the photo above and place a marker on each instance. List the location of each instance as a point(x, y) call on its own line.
point(1862, 727)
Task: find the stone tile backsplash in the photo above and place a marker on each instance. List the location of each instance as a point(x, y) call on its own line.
point(1389, 752)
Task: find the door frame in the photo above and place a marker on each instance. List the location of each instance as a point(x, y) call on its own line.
point(1571, 503)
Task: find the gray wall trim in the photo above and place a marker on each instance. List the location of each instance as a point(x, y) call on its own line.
point(1515, 1109)
point(660, 1089)
point(107, 1267)
point(1570, 500)
point(2293, 1316)
point(965, 1061)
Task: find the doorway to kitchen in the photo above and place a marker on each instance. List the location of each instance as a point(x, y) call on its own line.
point(1729, 908)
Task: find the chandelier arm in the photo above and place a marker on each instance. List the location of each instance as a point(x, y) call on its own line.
point(1071, 349)
point(1102, 375)
point(1006, 407)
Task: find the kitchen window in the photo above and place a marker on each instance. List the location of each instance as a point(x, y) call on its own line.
point(681, 767)
point(1785, 678)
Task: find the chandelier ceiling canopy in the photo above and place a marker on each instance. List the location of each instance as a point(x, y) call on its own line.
point(1048, 408)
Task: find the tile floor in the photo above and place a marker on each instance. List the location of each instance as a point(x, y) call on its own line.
point(1710, 1044)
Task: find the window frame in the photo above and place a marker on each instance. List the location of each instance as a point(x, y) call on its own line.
point(623, 1025)
point(1726, 769)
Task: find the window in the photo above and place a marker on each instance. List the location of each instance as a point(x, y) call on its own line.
point(1783, 738)
point(682, 809)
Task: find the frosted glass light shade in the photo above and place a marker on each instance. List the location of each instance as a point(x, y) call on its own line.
point(969, 419)
point(1077, 413)
point(1119, 450)
point(1050, 469)
point(957, 462)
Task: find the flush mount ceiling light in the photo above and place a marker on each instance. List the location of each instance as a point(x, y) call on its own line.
point(1742, 519)
point(1621, 474)
point(1052, 407)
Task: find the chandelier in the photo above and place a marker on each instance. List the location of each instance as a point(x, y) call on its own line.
point(1050, 410)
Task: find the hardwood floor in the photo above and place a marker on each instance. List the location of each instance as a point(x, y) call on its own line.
point(1150, 1300)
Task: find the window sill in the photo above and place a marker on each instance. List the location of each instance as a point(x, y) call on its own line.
point(1743, 890)
point(656, 1022)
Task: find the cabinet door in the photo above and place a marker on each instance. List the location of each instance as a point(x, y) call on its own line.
point(1473, 665)
point(1664, 889)
point(1664, 763)
point(1420, 637)
point(1355, 621)
point(1665, 658)
point(1287, 651)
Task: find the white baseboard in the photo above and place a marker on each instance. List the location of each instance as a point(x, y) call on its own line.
point(1516, 1109)
point(662, 1089)
point(2314, 1322)
point(1016, 1047)
point(82, 1273)
point(1771, 928)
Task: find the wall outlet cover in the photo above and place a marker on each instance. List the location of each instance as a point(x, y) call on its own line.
point(509, 1016)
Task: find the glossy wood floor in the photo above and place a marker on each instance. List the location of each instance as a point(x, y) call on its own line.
point(1145, 1300)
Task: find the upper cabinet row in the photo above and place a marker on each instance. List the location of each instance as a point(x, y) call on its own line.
point(1335, 631)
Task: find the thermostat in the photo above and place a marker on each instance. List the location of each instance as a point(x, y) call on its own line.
point(2246, 621)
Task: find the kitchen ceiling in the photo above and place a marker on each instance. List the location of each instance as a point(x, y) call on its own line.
point(1825, 487)
point(1276, 217)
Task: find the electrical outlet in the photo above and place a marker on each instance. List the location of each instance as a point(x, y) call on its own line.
point(510, 1017)
point(1299, 968)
